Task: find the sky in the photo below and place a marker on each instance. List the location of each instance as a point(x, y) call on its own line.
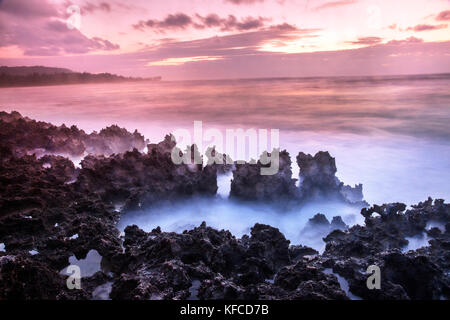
point(220, 39)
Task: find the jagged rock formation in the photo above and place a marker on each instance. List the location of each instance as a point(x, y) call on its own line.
point(139, 180)
point(249, 184)
point(320, 221)
point(24, 136)
point(419, 274)
point(222, 162)
point(318, 179)
point(204, 263)
point(51, 211)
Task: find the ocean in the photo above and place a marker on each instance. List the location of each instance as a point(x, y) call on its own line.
point(391, 134)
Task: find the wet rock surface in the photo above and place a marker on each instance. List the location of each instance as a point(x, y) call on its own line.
point(138, 180)
point(415, 274)
point(318, 179)
point(249, 184)
point(160, 265)
point(25, 135)
point(52, 213)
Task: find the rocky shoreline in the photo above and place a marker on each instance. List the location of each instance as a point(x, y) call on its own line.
point(53, 213)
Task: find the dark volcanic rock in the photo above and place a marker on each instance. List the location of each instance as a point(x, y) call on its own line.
point(138, 180)
point(420, 274)
point(318, 175)
point(319, 226)
point(221, 162)
point(338, 224)
point(22, 278)
point(318, 179)
point(319, 220)
point(249, 184)
point(159, 265)
point(51, 211)
point(298, 251)
point(308, 282)
point(29, 136)
point(268, 248)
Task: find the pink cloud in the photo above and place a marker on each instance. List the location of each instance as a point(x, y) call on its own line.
point(91, 7)
point(333, 4)
point(367, 41)
point(172, 21)
point(238, 2)
point(408, 56)
point(393, 26)
point(443, 16)
point(28, 8)
point(427, 27)
point(51, 37)
point(406, 41)
point(37, 28)
point(183, 21)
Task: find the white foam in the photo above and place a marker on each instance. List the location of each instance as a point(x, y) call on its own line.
point(88, 266)
point(75, 236)
point(435, 224)
point(239, 217)
point(224, 184)
point(118, 207)
point(2, 247)
point(417, 242)
point(194, 290)
point(343, 283)
point(73, 180)
point(102, 292)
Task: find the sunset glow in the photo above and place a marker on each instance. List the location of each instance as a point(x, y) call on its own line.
point(144, 38)
point(238, 157)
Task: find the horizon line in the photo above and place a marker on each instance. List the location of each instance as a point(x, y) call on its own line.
point(244, 78)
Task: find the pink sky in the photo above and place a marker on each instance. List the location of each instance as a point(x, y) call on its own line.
point(214, 39)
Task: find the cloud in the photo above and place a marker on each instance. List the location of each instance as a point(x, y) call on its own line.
point(239, 56)
point(238, 2)
point(183, 21)
point(333, 4)
point(230, 23)
point(393, 26)
point(51, 38)
point(28, 8)
point(172, 21)
point(38, 28)
point(427, 27)
point(443, 16)
point(90, 7)
point(366, 41)
point(103, 44)
point(181, 61)
point(405, 41)
point(241, 44)
point(284, 27)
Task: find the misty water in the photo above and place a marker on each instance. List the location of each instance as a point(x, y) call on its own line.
point(389, 133)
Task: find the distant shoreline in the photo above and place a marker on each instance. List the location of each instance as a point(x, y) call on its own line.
point(44, 76)
point(75, 83)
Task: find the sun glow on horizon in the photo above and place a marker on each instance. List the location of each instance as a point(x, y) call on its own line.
point(181, 61)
